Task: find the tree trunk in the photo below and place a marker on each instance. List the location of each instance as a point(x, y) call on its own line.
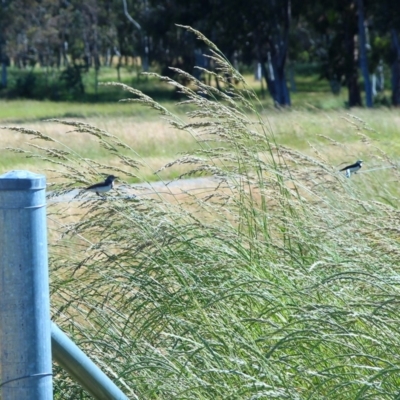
point(363, 54)
point(3, 74)
point(395, 68)
point(292, 81)
point(352, 72)
point(96, 61)
point(277, 85)
point(354, 89)
point(278, 44)
point(4, 61)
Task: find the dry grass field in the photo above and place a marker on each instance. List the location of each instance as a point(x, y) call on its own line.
point(154, 143)
point(337, 137)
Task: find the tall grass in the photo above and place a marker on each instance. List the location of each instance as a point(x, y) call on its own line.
point(281, 281)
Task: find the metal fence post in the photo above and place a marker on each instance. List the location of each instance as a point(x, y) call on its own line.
point(25, 341)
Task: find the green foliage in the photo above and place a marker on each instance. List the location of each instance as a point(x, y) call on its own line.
point(52, 36)
point(380, 50)
point(311, 90)
point(73, 84)
point(72, 79)
point(25, 85)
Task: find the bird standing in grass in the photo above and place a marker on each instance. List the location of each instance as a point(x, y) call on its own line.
point(353, 168)
point(102, 187)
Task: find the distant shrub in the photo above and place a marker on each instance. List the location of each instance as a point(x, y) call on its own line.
point(26, 85)
point(71, 79)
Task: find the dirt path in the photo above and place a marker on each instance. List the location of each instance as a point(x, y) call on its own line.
point(175, 187)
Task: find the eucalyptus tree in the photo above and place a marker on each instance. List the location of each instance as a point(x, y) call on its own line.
point(337, 23)
point(169, 45)
point(363, 45)
point(387, 24)
point(259, 30)
point(5, 22)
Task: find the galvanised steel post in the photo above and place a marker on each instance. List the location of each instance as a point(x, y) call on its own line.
point(25, 338)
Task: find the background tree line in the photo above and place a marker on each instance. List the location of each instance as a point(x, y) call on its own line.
point(349, 39)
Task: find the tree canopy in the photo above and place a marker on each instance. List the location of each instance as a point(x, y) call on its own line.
point(343, 36)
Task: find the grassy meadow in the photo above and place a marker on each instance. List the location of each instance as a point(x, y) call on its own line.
point(336, 135)
point(280, 280)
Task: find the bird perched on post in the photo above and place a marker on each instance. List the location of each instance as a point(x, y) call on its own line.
point(353, 168)
point(102, 187)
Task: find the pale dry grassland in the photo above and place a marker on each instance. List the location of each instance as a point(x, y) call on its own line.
point(334, 136)
point(155, 143)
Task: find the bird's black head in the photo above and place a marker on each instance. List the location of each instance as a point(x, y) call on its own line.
point(359, 162)
point(110, 178)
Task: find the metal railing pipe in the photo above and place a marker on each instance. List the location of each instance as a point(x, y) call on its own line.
point(81, 368)
point(25, 343)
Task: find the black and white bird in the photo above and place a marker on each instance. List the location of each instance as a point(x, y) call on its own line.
point(353, 168)
point(102, 187)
